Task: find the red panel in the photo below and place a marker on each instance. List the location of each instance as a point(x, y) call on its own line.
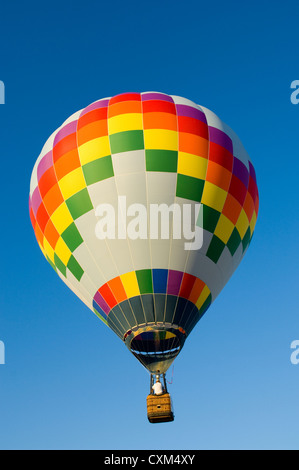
point(187, 285)
point(64, 146)
point(95, 115)
point(221, 156)
point(237, 189)
point(108, 296)
point(47, 181)
point(125, 97)
point(152, 106)
point(193, 126)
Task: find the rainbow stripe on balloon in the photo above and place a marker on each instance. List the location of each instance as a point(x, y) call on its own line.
point(152, 296)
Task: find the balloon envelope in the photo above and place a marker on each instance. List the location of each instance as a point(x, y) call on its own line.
point(144, 204)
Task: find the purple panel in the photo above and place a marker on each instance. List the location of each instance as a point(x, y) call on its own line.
point(98, 104)
point(174, 282)
point(65, 131)
point(45, 163)
point(189, 111)
point(156, 96)
point(252, 172)
point(36, 200)
point(240, 170)
point(221, 138)
point(101, 302)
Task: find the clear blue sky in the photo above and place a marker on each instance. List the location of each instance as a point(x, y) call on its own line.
point(69, 382)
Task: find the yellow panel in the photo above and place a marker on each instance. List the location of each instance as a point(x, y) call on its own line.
point(130, 284)
point(94, 149)
point(125, 122)
point(213, 196)
point(253, 222)
point(203, 297)
point(48, 250)
point(62, 251)
point(224, 228)
point(162, 139)
point(242, 223)
point(72, 183)
point(42, 249)
point(61, 218)
point(192, 165)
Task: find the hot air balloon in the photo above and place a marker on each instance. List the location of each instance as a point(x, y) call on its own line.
point(116, 196)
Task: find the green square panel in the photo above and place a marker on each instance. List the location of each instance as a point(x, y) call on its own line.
point(72, 237)
point(215, 249)
point(161, 160)
point(79, 204)
point(210, 218)
point(145, 282)
point(205, 305)
point(189, 187)
point(98, 170)
point(234, 241)
point(59, 265)
point(75, 268)
point(246, 239)
point(126, 141)
point(51, 263)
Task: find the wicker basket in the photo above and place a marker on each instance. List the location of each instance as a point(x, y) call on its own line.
point(159, 408)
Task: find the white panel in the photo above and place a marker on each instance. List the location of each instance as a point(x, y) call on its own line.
point(73, 117)
point(102, 256)
point(238, 148)
point(238, 255)
point(160, 253)
point(140, 250)
point(103, 192)
point(128, 162)
point(212, 119)
point(121, 254)
point(185, 101)
point(225, 264)
point(46, 148)
point(206, 270)
point(178, 255)
point(133, 186)
point(86, 260)
point(72, 283)
point(161, 187)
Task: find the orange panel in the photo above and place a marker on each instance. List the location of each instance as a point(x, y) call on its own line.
point(218, 175)
point(160, 121)
point(51, 234)
point(193, 144)
point(232, 209)
point(53, 199)
point(124, 107)
point(92, 131)
point(67, 163)
point(196, 290)
point(118, 290)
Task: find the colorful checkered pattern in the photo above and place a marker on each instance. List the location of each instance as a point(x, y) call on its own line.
point(147, 135)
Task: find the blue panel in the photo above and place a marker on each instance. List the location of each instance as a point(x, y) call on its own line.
point(160, 280)
point(98, 309)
